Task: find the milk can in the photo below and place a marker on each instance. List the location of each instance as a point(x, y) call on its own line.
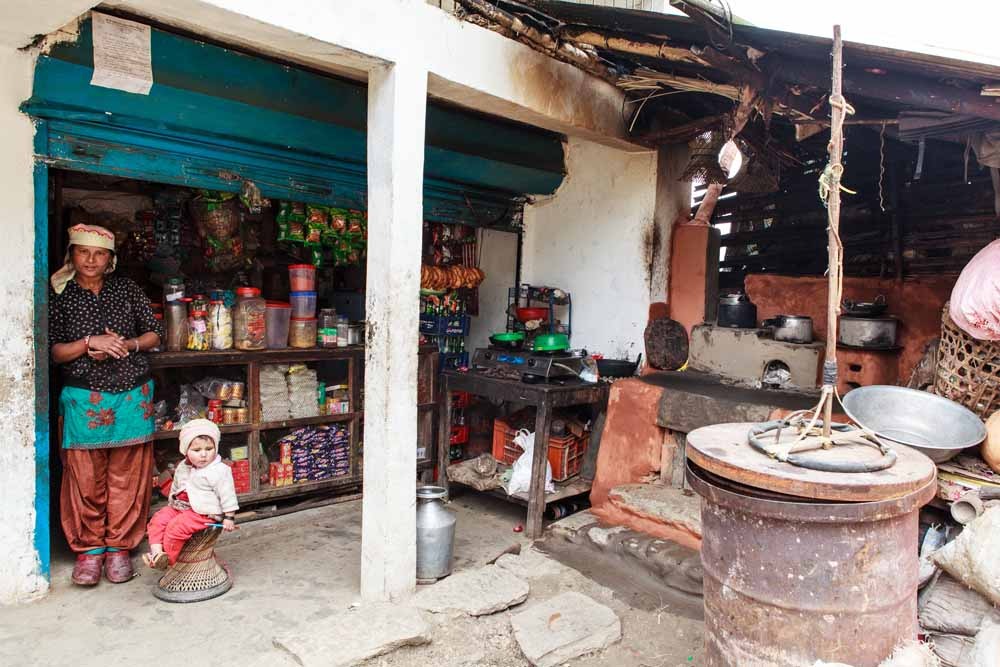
point(435, 535)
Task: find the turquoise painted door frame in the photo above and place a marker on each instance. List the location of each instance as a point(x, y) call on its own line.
point(41, 334)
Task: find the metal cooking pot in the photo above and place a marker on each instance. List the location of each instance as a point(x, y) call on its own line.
point(791, 328)
point(868, 332)
point(736, 311)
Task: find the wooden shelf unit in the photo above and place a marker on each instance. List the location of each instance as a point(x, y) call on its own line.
point(355, 357)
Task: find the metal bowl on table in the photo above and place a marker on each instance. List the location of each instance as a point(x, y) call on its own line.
point(929, 423)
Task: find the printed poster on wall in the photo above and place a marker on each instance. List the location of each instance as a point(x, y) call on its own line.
point(122, 55)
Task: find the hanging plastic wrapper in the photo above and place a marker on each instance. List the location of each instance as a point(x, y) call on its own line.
point(975, 299)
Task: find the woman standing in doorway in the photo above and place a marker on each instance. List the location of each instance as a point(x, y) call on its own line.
point(99, 326)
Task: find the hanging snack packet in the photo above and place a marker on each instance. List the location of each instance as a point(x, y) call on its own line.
point(338, 220)
point(354, 224)
point(315, 225)
point(282, 220)
point(297, 222)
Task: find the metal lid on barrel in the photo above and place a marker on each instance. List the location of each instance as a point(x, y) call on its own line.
point(724, 451)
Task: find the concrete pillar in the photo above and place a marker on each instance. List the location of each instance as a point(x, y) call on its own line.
point(397, 101)
point(24, 477)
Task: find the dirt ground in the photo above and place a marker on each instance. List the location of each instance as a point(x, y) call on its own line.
point(294, 570)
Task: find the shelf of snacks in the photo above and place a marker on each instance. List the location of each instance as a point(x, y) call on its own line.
point(308, 399)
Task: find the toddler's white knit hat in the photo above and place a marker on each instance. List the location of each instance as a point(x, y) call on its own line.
point(199, 427)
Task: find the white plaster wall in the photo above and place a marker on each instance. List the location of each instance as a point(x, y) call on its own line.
point(594, 238)
point(498, 260)
point(19, 565)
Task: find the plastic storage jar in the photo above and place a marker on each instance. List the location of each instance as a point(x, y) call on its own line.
point(249, 320)
point(302, 277)
point(303, 305)
point(302, 332)
point(279, 316)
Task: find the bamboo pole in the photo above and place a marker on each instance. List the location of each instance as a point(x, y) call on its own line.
point(834, 249)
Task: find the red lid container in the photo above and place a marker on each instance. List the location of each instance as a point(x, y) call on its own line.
point(247, 291)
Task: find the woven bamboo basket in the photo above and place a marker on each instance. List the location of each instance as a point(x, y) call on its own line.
point(197, 575)
point(968, 370)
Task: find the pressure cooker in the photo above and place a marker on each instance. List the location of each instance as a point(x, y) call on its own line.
point(791, 328)
point(736, 311)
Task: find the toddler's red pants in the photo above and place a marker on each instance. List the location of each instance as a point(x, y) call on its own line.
point(172, 528)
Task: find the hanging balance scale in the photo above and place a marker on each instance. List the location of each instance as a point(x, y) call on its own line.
point(809, 528)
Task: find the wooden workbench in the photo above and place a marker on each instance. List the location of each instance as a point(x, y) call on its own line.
point(546, 398)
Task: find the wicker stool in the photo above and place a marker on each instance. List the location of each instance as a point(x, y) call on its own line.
point(196, 575)
point(968, 370)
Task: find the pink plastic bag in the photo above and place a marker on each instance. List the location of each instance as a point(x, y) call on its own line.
point(975, 299)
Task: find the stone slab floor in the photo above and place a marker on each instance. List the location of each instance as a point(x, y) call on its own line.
point(292, 572)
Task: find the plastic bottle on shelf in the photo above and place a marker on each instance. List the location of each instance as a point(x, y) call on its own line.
point(175, 319)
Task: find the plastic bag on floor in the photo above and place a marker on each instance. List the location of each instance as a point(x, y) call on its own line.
point(975, 299)
point(908, 654)
point(520, 480)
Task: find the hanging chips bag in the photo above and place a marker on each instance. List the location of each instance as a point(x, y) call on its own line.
point(316, 224)
point(297, 223)
point(282, 220)
point(338, 220)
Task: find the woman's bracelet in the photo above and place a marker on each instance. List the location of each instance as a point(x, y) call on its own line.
point(136, 344)
point(86, 341)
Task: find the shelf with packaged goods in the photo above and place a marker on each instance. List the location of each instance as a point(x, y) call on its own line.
point(308, 421)
point(254, 361)
point(240, 357)
point(267, 492)
point(227, 428)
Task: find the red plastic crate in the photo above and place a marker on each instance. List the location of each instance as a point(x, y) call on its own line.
point(461, 399)
point(565, 452)
point(459, 435)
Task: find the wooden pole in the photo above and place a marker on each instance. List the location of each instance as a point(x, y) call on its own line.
point(834, 251)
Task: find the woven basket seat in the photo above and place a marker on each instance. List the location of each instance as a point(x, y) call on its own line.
point(197, 575)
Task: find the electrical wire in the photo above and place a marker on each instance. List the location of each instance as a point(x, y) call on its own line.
point(881, 168)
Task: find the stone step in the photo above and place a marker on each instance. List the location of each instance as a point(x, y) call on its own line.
point(655, 509)
point(647, 560)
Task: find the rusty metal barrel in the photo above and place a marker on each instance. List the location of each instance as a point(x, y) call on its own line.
point(789, 580)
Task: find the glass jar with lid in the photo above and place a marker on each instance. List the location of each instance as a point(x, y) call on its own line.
point(326, 332)
point(197, 340)
point(249, 320)
point(173, 290)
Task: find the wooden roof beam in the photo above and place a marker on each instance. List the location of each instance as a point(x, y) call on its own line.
point(899, 89)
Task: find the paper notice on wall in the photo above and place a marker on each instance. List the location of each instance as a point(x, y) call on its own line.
point(122, 55)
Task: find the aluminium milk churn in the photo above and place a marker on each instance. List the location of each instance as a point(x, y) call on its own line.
point(435, 534)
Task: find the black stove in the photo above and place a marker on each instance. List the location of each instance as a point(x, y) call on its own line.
point(528, 366)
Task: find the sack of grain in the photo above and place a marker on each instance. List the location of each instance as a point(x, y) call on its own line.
point(972, 557)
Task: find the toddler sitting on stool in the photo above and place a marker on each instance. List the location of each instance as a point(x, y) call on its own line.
point(202, 493)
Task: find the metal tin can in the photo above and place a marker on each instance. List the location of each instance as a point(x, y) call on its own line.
point(214, 411)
